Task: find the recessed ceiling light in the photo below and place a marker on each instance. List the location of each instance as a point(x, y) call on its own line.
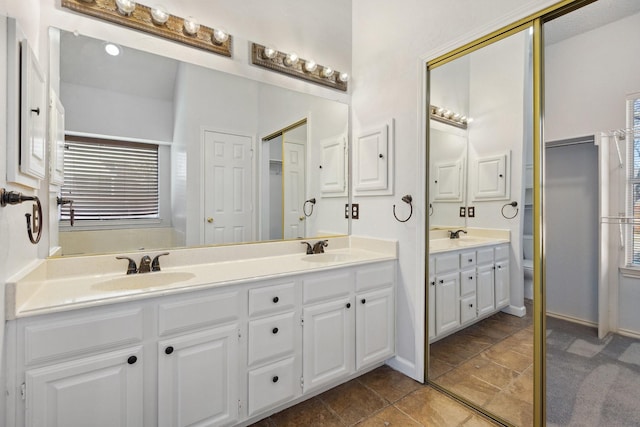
point(112, 49)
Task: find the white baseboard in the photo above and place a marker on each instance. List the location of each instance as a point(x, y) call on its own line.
point(404, 366)
point(515, 311)
point(572, 319)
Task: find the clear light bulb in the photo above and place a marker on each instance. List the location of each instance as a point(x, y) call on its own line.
point(343, 77)
point(269, 52)
point(191, 25)
point(291, 59)
point(327, 72)
point(126, 7)
point(310, 65)
point(220, 36)
point(159, 14)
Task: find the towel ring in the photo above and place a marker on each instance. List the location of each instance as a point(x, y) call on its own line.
point(407, 199)
point(312, 202)
point(512, 204)
point(34, 220)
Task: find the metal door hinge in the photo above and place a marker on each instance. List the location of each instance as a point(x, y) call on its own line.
point(302, 382)
point(23, 391)
point(239, 334)
point(239, 406)
point(302, 321)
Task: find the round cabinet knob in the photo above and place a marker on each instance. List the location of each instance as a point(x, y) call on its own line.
point(301, 218)
point(210, 220)
point(433, 283)
point(168, 350)
point(381, 156)
point(364, 301)
point(499, 267)
point(500, 175)
point(441, 281)
point(132, 359)
point(471, 305)
point(274, 330)
point(470, 277)
point(275, 300)
point(275, 379)
point(348, 305)
point(470, 260)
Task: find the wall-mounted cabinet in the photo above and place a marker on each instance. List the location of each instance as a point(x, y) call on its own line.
point(373, 162)
point(56, 138)
point(491, 177)
point(333, 167)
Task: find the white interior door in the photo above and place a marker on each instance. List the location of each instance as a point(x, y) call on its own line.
point(294, 193)
point(228, 207)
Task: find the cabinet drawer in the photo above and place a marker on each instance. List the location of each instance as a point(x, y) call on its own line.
point(446, 263)
point(50, 340)
point(468, 309)
point(377, 276)
point(502, 252)
point(271, 299)
point(468, 282)
point(484, 256)
point(272, 385)
point(327, 286)
point(467, 259)
point(271, 337)
point(191, 313)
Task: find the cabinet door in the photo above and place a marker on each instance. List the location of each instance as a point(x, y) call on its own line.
point(198, 378)
point(468, 282)
point(375, 327)
point(432, 307)
point(370, 160)
point(98, 391)
point(485, 287)
point(468, 311)
point(502, 283)
point(447, 305)
point(328, 342)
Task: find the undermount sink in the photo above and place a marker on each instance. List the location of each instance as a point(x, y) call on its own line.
point(464, 241)
point(144, 280)
point(326, 257)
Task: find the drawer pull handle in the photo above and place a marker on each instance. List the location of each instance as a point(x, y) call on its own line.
point(433, 283)
point(275, 379)
point(470, 260)
point(275, 300)
point(470, 277)
point(274, 330)
point(364, 301)
point(168, 350)
point(348, 305)
point(132, 359)
point(441, 281)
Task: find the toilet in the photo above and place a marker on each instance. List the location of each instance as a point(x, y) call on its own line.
point(527, 265)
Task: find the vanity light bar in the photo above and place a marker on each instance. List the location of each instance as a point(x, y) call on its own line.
point(291, 65)
point(447, 116)
point(155, 21)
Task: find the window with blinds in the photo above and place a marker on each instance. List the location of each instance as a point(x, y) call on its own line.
point(110, 180)
point(633, 181)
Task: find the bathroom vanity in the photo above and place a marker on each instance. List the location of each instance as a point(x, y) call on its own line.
point(217, 343)
point(468, 281)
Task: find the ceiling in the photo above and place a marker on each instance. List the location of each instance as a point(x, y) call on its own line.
point(588, 18)
point(133, 72)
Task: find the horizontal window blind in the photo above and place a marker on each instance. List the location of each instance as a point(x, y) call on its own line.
point(110, 180)
point(633, 181)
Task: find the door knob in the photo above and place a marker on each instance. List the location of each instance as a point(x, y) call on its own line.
point(301, 218)
point(210, 220)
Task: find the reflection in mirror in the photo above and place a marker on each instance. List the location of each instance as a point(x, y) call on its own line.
point(206, 129)
point(480, 309)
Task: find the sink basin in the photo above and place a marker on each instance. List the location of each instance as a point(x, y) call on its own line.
point(328, 257)
point(144, 280)
point(462, 242)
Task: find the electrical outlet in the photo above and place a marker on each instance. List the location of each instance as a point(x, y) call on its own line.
point(355, 211)
point(471, 211)
point(463, 211)
point(346, 211)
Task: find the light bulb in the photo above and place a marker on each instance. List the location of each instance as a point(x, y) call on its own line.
point(343, 77)
point(291, 59)
point(112, 49)
point(159, 14)
point(327, 72)
point(191, 25)
point(440, 111)
point(269, 52)
point(126, 7)
point(310, 65)
point(463, 119)
point(447, 114)
point(456, 116)
point(220, 36)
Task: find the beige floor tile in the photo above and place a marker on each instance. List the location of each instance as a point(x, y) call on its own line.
point(432, 408)
point(468, 386)
point(511, 359)
point(478, 421)
point(489, 371)
point(311, 412)
point(521, 388)
point(389, 383)
point(511, 409)
point(389, 417)
point(437, 368)
point(352, 401)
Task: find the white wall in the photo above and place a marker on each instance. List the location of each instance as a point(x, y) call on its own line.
point(389, 38)
point(587, 78)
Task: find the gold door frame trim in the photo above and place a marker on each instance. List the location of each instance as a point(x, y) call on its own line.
point(534, 21)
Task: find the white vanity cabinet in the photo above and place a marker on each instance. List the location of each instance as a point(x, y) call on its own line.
point(213, 357)
point(466, 286)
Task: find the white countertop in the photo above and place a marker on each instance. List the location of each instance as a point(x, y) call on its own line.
point(60, 284)
point(440, 242)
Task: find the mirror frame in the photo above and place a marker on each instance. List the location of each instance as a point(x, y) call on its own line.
point(535, 22)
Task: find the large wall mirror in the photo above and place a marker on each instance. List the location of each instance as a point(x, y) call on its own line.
point(481, 338)
point(215, 177)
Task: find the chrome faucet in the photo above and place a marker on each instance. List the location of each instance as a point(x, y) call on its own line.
point(456, 234)
point(319, 246)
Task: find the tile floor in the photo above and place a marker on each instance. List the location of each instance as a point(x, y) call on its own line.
point(491, 364)
point(382, 397)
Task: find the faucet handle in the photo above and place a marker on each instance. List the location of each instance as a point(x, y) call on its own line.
point(131, 268)
point(318, 248)
point(309, 248)
point(155, 264)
